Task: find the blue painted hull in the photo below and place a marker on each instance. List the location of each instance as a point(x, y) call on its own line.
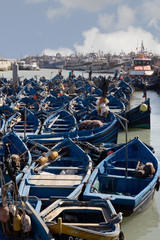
point(17, 123)
point(62, 178)
point(107, 133)
point(79, 221)
point(12, 144)
point(137, 118)
point(127, 192)
point(59, 122)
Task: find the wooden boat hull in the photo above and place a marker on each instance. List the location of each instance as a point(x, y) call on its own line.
point(59, 122)
point(7, 111)
point(138, 118)
point(12, 144)
point(74, 219)
point(75, 232)
point(63, 177)
point(108, 133)
point(52, 104)
point(127, 191)
point(130, 210)
point(23, 123)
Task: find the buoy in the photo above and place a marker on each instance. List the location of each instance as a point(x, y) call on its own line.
point(35, 97)
point(109, 152)
point(26, 223)
point(4, 214)
point(17, 223)
point(43, 160)
point(143, 107)
point(12, 209)
point(53, 155)
point(16, 158)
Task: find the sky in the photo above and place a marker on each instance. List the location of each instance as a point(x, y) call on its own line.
point(37, 27)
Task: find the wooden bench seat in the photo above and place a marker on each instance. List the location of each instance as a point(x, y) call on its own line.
point(53, 179)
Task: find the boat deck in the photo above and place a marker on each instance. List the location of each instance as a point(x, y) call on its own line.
point(47, 179)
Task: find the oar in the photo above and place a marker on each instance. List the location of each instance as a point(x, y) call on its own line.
point(53, 121)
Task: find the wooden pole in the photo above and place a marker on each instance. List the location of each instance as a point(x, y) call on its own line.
point(25, 116)
point(126, 140)
point(60, 225)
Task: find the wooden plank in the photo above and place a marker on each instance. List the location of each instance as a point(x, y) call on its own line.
point(66, 168)
point(54, 120)
point(60, 125)
point(55, 177)
point(121, 169)
point(63, 182)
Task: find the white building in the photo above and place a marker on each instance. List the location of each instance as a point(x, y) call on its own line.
point(5, 64)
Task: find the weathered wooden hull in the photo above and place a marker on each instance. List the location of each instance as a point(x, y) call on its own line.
point(63, 177)
point(84, 220)
point(116, 178)
point(137, 118)
point(108, 133)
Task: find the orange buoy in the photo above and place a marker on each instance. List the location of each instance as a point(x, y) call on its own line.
point(43, 160)
point(53, 155)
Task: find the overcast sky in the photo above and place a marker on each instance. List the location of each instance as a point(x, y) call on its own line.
point(31, 27)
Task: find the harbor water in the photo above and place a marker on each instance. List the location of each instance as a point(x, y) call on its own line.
point(146, 225)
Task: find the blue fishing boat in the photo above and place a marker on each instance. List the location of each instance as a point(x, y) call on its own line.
point(61, 173)
point(93, 131)
point(126, 87)
point(79, 107)
point(139, 116)
point(6, 111)
point(101, 151)
point(128, 177)
point(30, 89)
point(23, 122)
point(151, 83)
point(28, 102)
point(59, 122)
point(52, 104)
point(138, 83)
point(72, 219)
point(78, 103)
point(115, 104)
point(15, 158)
point(121, 95)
